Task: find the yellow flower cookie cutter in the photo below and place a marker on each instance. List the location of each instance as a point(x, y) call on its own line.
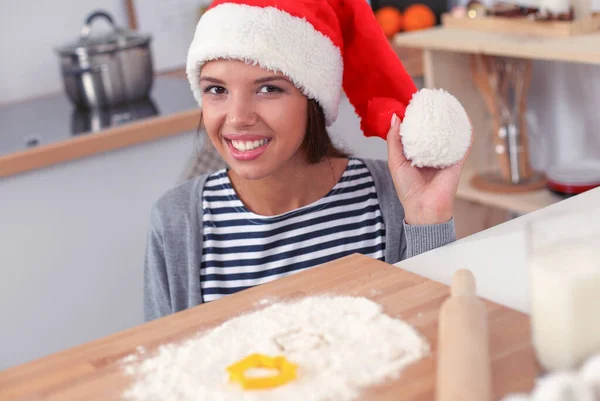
point(286, 371)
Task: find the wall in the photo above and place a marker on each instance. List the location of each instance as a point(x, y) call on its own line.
point(563, 102)
point(346, 134)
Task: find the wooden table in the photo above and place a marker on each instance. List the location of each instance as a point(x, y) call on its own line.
point(90, 371)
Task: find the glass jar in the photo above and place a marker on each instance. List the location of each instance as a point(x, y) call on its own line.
point(564, 268)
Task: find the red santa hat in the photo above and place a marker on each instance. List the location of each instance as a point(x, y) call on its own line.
point(324, 47)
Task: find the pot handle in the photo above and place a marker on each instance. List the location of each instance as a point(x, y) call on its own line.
point(87, 27)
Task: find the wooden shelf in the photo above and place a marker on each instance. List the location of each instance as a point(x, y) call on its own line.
point(581, 48)
point(520, 203)
point(446, 65)
point(412, 60)
point(524, 25)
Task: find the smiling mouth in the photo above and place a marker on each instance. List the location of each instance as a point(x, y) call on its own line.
point(244, 146)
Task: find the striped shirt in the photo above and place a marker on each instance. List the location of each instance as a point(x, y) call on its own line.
point(243, 249)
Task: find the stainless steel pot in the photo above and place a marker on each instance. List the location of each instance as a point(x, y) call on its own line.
point(106, 70)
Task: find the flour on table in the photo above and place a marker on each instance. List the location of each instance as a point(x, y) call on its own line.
point(265, 301)
point(340, 344)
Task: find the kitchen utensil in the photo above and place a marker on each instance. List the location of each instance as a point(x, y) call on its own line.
point(286, 371)
point(509, 79)
point(575, 177)
point(463, 366)
point(503, 84)
point(92, 369)
point(106, 70)
point(480, 69)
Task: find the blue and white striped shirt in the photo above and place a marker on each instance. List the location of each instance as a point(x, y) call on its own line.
point(243, 249)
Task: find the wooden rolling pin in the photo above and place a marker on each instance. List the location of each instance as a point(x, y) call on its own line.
point(463, 365)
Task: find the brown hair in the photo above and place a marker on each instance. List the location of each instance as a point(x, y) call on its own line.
point(317, 143)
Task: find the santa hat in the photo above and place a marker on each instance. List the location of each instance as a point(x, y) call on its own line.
point(324, 46)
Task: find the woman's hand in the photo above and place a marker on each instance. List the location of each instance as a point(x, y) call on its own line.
point(427, 194)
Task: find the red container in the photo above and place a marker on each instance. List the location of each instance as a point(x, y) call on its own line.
point(575, 177)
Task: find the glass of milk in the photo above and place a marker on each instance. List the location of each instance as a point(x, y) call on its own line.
point(564, 262)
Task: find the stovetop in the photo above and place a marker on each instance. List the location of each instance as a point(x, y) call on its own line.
point(51, 119)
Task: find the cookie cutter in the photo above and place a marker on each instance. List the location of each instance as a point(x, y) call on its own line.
point(286, 371)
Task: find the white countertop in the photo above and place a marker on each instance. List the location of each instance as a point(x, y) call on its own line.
point(497, 257)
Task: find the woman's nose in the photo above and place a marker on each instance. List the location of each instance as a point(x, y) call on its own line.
point(241, 112)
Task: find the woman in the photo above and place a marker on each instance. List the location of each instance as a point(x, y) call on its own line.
point(289, 200)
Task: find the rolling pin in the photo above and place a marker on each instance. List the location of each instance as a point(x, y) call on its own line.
point(463, 365)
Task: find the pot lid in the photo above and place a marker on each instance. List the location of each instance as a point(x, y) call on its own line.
point(117, 39)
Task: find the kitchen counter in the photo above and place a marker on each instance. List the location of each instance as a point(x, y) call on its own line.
point(498, 256)
point(48, 130)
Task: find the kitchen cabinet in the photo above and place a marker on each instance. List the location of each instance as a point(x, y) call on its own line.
point(72, 244)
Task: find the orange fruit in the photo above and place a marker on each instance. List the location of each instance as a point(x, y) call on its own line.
point(418, 16)
point(390, 20)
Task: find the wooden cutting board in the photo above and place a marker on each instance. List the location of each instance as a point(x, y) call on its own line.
point(89, 372)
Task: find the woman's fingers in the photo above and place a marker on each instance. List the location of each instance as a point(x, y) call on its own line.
point(396, 156)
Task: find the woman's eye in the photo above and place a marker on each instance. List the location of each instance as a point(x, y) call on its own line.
point(215, 90)
point(270, 89)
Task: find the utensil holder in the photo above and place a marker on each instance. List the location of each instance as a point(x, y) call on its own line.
point(503, 83)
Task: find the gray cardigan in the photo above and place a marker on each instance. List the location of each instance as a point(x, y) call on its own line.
point(174, 244)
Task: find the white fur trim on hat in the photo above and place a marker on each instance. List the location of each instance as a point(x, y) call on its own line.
point(276, 41)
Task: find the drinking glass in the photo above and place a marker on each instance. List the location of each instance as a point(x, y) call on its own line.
point(564, 268)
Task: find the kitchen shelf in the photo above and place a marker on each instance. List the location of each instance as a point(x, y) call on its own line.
point(521, 203)
point(525, 25)
point(412, 60)
point(447, 65)
point(581, 48)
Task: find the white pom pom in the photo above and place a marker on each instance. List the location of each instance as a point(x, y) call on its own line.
point(590, 372)
point(562, 386)
point(435, 131)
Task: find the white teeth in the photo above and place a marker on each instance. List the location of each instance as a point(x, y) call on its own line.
point(239, 145)
point(243, 146)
